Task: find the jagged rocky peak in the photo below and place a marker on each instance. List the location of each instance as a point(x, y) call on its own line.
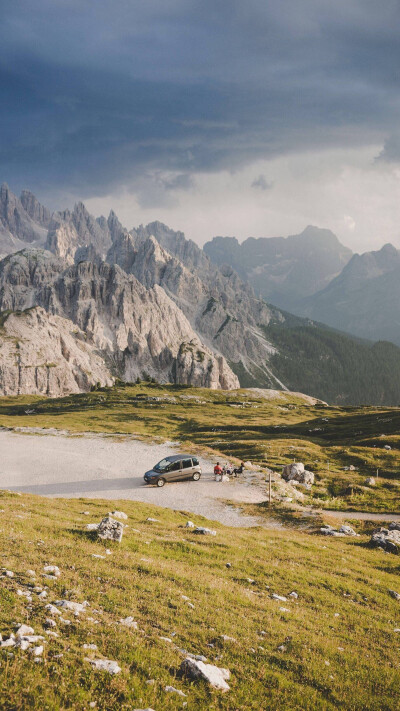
point(70, 231)
point(35, 210)
point(139, 330)
point(122, 251)
point(15, 219)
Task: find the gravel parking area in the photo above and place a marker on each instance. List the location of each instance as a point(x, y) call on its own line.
point(54, 464)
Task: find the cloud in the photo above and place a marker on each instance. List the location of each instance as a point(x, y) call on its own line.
point(261, 183)
point(93, 100)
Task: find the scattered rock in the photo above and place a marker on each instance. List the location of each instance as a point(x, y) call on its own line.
point(343, 531)
point(165, 639)
point(204, 531)
point(110, 529)
point(104, 665)
point(190, 524)
point(370, 481)
point(52, 610)
point(129, 622)
point(387, 539)
point(8, 573)
point(38, 651)
point(228, 565)
point(90, 646)
point(49, 622)
point(24, 630)
point(226, 638)
point(279, 597)
point(394, 594)
point(172, 690)
point(52, 570)
point(31, 573)
point(92, 526)
point(152, 520)
point(72, 606)
point(294, 595)
point(119, 514)
point(297, 472)
point(215, 676)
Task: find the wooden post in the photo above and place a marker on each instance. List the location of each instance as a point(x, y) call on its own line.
point(328, 466)
point(377, 473)
point(269, 487)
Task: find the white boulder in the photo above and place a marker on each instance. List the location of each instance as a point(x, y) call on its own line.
point(215, 676)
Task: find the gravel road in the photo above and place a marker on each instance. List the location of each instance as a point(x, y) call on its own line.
point(96, 466)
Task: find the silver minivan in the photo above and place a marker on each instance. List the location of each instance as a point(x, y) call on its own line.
point(174, 468)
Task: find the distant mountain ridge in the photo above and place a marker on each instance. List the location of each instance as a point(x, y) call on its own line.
point(150, 303)
point(283, 269)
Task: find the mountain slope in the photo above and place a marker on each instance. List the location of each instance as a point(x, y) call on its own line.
point(283, 270)
point(364, 299)
point(136, 330)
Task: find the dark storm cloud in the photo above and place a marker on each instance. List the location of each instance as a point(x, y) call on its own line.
point(99, 94)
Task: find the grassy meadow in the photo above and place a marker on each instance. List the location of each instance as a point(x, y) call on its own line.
point(335, 646)
point(243, 425)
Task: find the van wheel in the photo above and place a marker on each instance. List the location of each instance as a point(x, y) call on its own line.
point(196, 476)
point(160, 482)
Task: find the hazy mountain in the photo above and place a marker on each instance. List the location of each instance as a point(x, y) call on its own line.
point(283, 269)
point(364, 299)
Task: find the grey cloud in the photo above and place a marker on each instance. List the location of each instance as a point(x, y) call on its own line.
point(96, 96)
point(261, 183)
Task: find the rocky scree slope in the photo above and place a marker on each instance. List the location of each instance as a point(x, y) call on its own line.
point(135, 330)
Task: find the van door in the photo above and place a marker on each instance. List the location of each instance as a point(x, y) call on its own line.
point(175, 471)
point(187, 469)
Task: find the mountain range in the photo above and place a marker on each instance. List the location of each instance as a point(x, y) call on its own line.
point(84, 301)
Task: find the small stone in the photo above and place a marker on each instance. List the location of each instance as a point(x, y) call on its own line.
point(282, 648)
point(52, 610)
point(394, 594)
point(92, 526)
point(52, 570)
point(190, 524)
point(38, 651)
point(43, 595)
point(165, 639)
point(215, 676)
point(23, 644)
point(105, 665)
point(152, 520)
point(294, 595)
point(90, 646)
point(204, 531)
point(275, 596)
point(49, 622)
point(190, 604)
point(119, 514)
point(97, 555)
point(31, 573)
point(226, 638)
point(228, 565)
point(129, 622)
point(284, 609)
point(51, 633)
point(76, 607)
point(24, 630)
point(8, 573)
point(172, 690)
point(10, 642)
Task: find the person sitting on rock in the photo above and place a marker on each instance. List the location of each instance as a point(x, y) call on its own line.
point(218, 472)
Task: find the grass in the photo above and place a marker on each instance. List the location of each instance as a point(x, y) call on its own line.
point(242, 425)
point(341, 650)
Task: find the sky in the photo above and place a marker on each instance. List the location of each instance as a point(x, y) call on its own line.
point(219, 117)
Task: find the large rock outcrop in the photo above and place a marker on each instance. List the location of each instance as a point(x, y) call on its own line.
point(44, 354)
point(136, 330)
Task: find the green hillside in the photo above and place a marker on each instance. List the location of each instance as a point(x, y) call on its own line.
point(335, 646)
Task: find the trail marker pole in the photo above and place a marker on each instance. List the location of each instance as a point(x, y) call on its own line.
point(269, 487)
point(377, 473)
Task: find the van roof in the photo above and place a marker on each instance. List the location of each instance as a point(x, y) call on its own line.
point(176, 457)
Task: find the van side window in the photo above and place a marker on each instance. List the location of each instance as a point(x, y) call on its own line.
point(195, 462)
point(175, 466)
point(186, 464)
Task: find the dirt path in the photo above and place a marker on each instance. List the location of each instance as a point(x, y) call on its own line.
point(360, 515)
point(96, 466)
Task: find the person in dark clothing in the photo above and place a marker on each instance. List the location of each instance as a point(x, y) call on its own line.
point(239, 470)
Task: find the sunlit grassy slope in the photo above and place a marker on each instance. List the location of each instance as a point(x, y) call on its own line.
point(340, 648)
point(245, 425)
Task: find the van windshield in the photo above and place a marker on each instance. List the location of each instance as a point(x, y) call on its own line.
point(162, 466)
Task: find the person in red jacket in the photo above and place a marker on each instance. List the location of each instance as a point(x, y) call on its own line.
point(217, 471)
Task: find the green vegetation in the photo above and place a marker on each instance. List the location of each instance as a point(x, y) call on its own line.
point(245, 425)
point(340, 648)
point(333, 366)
